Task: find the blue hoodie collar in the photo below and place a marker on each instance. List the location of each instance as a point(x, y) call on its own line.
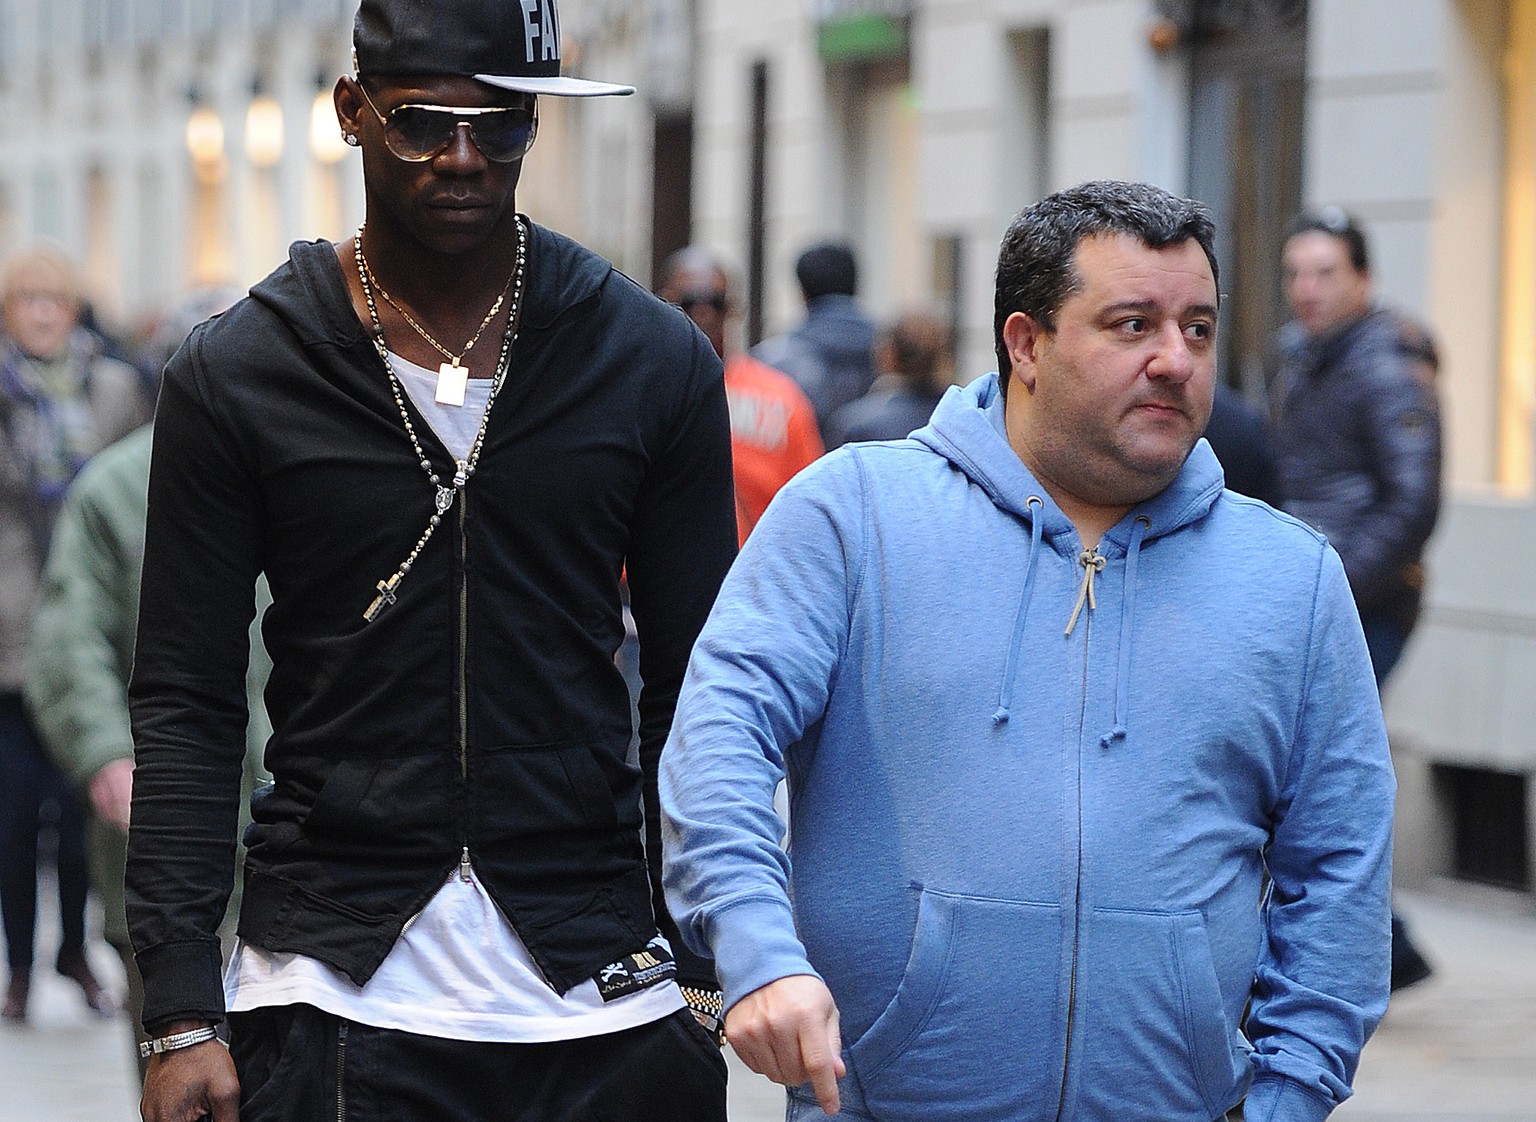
point(968, 429)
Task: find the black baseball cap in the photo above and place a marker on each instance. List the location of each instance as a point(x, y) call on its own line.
point(513, 44)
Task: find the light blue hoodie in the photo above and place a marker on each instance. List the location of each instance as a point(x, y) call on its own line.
point(1029, 851)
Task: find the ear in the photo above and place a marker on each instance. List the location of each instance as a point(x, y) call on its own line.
point(350, 107)
point(1022, 335)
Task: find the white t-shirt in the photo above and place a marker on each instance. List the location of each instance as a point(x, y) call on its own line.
point(458, 971)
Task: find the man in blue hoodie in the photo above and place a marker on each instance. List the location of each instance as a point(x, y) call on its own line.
point(1090, 797)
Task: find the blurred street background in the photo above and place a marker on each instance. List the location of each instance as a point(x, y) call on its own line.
point(178, 146)
point(172, 146)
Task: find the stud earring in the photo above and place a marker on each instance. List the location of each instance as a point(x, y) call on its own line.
point(351, 139)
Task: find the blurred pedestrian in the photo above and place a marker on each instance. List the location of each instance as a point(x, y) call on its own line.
point(830, 355)
point(450, 908)
point(1358, 439)
point(1087, 773)
point(82, 649)
point(61, 400)
point(914, 363)
point(773, 427)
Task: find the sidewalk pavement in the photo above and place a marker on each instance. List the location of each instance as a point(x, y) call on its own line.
point(1460, 1047)
point(67, 1064)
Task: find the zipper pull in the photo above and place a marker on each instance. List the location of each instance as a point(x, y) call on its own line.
point(464, 866)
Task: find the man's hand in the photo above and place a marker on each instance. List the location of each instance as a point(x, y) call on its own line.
point(191, 1083)
point(787, 1030)
point(112, 792)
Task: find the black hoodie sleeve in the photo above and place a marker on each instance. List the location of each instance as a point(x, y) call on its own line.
point(683, 540)
point(188, 695)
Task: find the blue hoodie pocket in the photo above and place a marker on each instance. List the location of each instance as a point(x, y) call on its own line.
point(978, 1007)
point(1155, 1041)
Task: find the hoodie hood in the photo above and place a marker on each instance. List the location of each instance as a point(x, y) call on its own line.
point(838, 329)
point(968, 430)
point(311, 295)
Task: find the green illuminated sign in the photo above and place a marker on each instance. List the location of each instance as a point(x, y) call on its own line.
point(869, 35)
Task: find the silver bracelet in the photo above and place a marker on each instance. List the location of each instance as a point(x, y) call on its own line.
point(176, 1041)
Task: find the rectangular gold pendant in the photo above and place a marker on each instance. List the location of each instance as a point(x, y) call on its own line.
point(452, 379)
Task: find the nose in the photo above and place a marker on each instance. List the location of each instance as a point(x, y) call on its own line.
point(1300, 286)
point(461, 151)
point(1172, 360)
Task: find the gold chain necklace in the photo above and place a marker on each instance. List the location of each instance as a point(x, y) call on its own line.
point(464, 468)
point(453, 375)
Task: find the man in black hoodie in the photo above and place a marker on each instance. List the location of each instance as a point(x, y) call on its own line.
point(442, 441)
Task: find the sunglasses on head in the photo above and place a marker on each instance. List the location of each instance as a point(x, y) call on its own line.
point(417, 133)
point(1335, 220)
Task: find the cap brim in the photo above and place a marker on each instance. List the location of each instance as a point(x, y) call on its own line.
point(555, 87)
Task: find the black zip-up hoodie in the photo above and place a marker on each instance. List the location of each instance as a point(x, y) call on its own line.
point(482, 713)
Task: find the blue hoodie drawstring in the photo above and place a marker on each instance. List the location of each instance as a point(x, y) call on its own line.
point(1036, 525)
point(1127, 618)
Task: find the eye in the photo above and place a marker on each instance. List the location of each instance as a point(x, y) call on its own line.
point(1200, 331)
point(1132, 325)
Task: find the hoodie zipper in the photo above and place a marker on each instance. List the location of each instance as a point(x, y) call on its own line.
point(464, 866)
point(1093, 563)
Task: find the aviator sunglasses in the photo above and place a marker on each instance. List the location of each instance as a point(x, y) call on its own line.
point(417, 133)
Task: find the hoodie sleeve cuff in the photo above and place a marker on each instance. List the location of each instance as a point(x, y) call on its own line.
point(754, 944)
point(1276, 1099)
point(182, 980)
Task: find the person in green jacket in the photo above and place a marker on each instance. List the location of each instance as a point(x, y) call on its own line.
point(79, 661)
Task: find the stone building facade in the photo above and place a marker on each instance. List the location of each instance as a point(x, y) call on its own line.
point(915, 129)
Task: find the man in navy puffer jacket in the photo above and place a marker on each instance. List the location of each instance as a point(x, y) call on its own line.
point(1358, 440)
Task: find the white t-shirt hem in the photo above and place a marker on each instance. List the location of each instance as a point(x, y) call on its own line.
point(458, 971)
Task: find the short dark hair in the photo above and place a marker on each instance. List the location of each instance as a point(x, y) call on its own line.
point(827, 269)
point(1036, 268)
point(1339, 223)
point(919, 342)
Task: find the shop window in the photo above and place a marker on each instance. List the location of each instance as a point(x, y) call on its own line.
point(1490, 825)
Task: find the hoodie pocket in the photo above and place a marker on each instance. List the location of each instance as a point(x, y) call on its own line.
point(978, 1007)
point(1156, 1043)
point(553, 789)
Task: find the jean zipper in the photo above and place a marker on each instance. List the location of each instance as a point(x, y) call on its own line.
point(341, 1072)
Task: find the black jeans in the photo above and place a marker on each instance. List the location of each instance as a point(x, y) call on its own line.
point(298, 1064)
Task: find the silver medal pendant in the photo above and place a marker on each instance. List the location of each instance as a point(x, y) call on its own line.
point(452, 381)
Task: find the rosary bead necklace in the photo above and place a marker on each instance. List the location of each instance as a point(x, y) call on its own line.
point(464, 468)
